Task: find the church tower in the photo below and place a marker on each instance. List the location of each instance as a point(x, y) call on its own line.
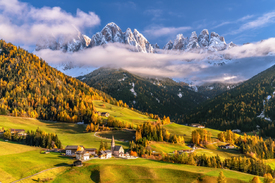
point(113, 145)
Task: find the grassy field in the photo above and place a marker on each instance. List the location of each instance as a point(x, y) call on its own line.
point(121, 135)
point(166, 147)
point(121, 113)
point(271, 163)
point(52, 174)
point(25, 161)
point(186, 131)
point(143, 170)
point(68, 133)
point(222, 153)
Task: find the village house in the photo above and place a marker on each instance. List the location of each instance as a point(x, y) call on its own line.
point(116, 150)
point(105, 154)
point(193, 146)
point(227, 146)
point(197, 125)
point(105, 114)
point(92, 151)
point(98, 113)
point(185, 151)
point(21, 132)
point(82, 155)
point(236, 131)
point(70, 150)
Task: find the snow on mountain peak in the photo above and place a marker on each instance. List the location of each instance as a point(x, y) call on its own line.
point(112, 33)
point(217, 43)
point(180, 42)
point(168, 46)
point(193, 42)
point(204, 38)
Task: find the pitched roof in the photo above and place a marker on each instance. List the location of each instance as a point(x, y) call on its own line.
point(117, 148)
point(90, 149)
point(72, 147)
point(17, 130)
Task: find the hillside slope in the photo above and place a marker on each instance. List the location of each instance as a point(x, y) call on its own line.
point(239, 107)
point(29, 87)
point(161, 96)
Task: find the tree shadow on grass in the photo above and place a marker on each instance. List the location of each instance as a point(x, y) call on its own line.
point(95, 176)
point(63, 164)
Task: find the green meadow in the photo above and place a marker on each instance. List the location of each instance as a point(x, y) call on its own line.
point(19, 161)
point(68, 133)
point(166, 147)
point(186, 131)
point(122, 113)
point(143, 170)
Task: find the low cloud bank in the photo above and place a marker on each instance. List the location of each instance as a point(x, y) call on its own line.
point(243, 63)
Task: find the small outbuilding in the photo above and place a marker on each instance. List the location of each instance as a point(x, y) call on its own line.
point(105, 114)
point(78, 163)
point(227, 146)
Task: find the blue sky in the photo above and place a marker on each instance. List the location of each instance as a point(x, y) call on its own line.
point(238, 21)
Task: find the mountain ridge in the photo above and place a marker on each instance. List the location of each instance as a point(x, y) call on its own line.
point(112, 33)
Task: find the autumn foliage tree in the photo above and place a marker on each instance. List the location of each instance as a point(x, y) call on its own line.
point(29, 87)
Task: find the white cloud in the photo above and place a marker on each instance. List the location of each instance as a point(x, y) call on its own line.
point(264, 20)
point(22, 23)
point(234, 22)
point(246, 61)
point(158, 31)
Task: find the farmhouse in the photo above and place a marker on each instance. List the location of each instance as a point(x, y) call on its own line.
point(116, 150)
point(70, 150)
point(82, 155)
point(191, 145)
point(236, 131)
point(185, 151)
point(227, 146)
point(105, 154)
point(98, 113)
point(21, 132)
point(91, 150)
point(105, 114)
point(197, 125)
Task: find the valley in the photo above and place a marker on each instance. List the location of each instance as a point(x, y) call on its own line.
point(83, 99)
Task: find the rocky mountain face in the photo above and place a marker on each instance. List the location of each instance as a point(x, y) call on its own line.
point(68, 43)
point(112, 33)
point(204, 42)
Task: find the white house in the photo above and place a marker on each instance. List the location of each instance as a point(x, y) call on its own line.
point(236, 131)
point(105, 154)
point(227, 146)
point(70, 150)
point(92, 151)
point(82, 155)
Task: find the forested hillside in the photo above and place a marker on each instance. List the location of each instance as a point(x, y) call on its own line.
point(239, 107)
point(211, 90)
point(29, 87)
point(161, 96)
